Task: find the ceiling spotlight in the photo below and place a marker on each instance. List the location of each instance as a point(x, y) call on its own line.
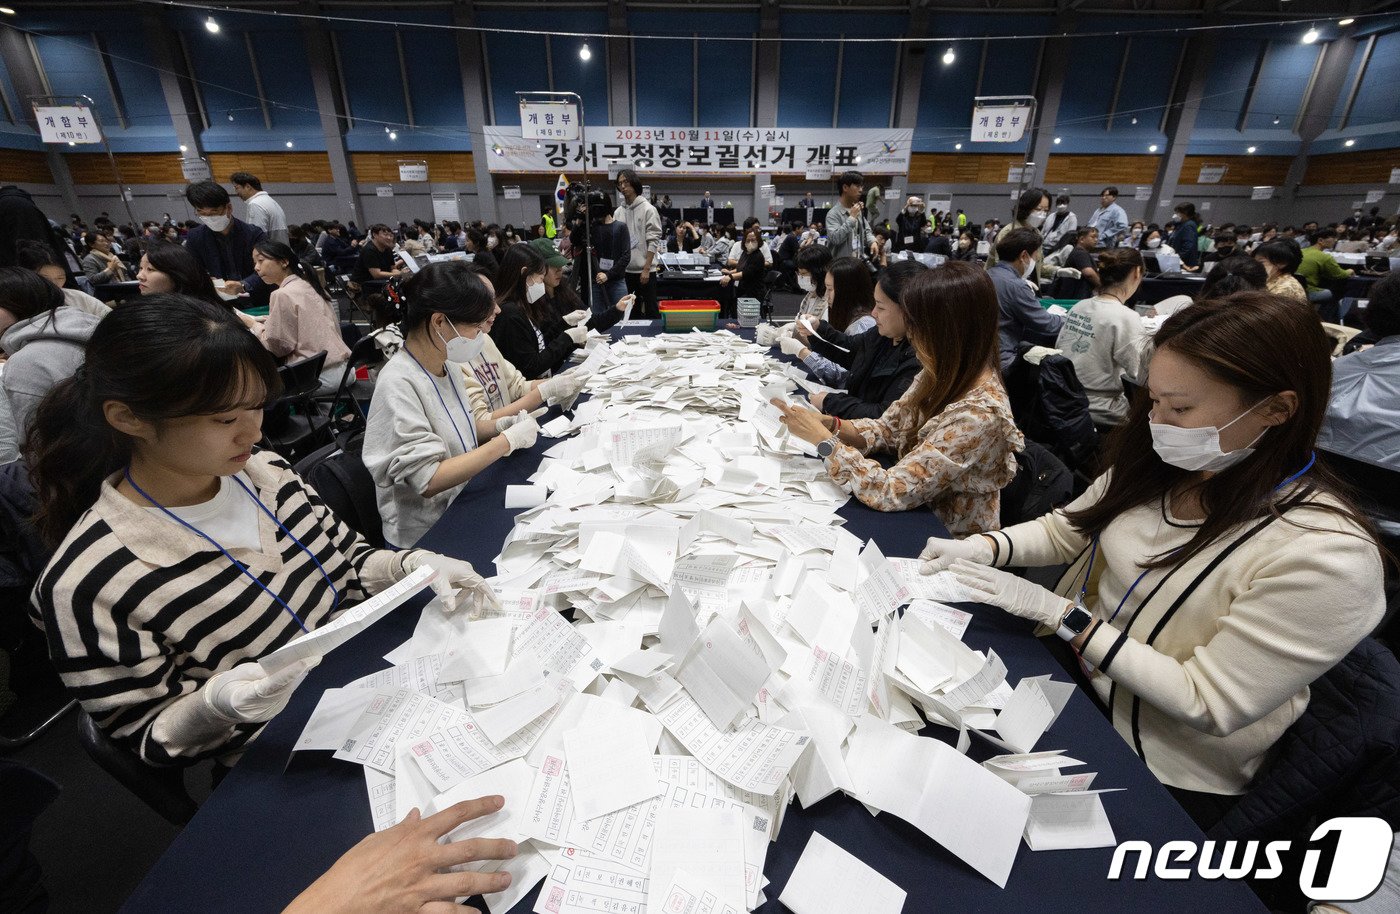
point(386, 128)
point(211, 25)
point(71, 143)
point(1251, 149)
point(230, 116)
point(289, 144)
point(1134, 120)
point(184, 148)
point(949, 57)
point(1276, 118)
point(393, 134)
point(1349, 143)
point(584, 53)
point(1341, 22)
point(9, 12)
point(1152, 148)
point(1310, 36)
point(957, 145)
point(1057, 141)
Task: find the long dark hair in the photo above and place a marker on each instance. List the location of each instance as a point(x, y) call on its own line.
point(450, 288)
point(854, 290)
point(25, 294)
point(276, 250)
point(165, 357)
point(184, 270)
point(1239, 340)
point(952, 316)
point(1238, 272)
point(518, 262)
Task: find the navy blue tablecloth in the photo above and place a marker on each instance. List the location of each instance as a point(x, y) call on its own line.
point(274, 825)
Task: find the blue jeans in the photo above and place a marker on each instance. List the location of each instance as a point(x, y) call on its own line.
point(608, 294)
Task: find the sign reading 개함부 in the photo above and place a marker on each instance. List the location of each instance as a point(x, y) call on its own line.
point(999, 123)
point(705, 151)
point(548, 120)
point(413, 171)
point(66, 124)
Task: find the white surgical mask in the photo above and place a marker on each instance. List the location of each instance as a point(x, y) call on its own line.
point(491, 241)
point(534, 291)
point(1029, 271)
point(215, 223)
point(1154, 242)
point(751, 246)
point(461, 349)
point(1198, 449)
point(1062, 208)
point(1036, 219)
point(805, 283)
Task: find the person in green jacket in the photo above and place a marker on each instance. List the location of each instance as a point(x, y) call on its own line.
point(1319, 268)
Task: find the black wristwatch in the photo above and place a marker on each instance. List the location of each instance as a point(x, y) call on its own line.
point(828, 447)
point(1075, 621)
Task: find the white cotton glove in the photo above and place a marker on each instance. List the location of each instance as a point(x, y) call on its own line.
point(786, 331)
point(1015, 595)
point(940, 552)
point(457, 584)
point(765, 334)
point(521, 435)
point(247, 694)
point(574, 318)
point(791, 346)
point(578, 334)
point(1068, 273)
point(561, 387)
point(506, 422)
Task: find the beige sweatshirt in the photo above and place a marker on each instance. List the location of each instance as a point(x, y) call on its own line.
point(1208, 663)
point(492, 382)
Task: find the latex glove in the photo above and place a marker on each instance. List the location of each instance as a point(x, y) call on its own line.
point(941, 552)
point(574, 318)
point(506, 422)
point(791, 346)
point(457, 584)
point(1015, 595)
point(1068, 272)
point(578, 334)
point(522, 434)
point(561, 387)
point(247, 694)
point(785, 331)
point(766, 334)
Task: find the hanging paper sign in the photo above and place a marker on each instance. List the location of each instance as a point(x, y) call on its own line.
point(1374, 196)
point(1395, 176)
point(66, 124)
point(512, 192)
point(1014, 174)
point(767, 191)
point(384, 190)
point(195, 169)
point(1262, 193)
point(548, 120)
point(1205, 206)
point(1142, 193)
point(1211, 174)
point(413, 171)
point(999, 123)
point(445, 208)
point(787, 151)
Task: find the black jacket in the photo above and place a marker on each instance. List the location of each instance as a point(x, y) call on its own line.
point(227, 256)
point(880, 371)
point(907, 226)
point(20, 220)
point(514, 335)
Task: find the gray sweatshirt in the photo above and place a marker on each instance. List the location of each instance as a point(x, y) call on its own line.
point(42, 351)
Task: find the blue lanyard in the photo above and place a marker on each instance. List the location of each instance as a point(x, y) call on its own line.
point(1094, 547)
point(471, 424)
point(335, 594)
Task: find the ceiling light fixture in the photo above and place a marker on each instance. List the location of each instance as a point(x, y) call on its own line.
point(211, 25)
point(184, 148)
point(1057, 141)
point(1349, 143)
point(289, 144)
point(949, 57)
point(393, 135)
point(1152, 148)
point(584, 53)
point(1342, 22)
point(1251, 149)
point(957, 145)
point(7, 11)
point(1310, 36)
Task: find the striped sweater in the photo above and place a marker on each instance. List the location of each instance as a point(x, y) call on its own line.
point(140, 612)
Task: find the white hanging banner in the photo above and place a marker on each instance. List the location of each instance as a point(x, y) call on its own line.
point(512, 192)
point(445, 208)
point(999, 120)
point(1262, 193)
point(548, 120)
point(66, 124)
point(737, 151)
point(413, 171)
point(384, 190)
point(1142, 193)
point(1395, 176)
point(1014, 174)
point(1374, 196)
point(767, 191)
point(1211, 174)
point(195, 169)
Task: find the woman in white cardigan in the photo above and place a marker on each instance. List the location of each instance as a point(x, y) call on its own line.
point(1206, 565)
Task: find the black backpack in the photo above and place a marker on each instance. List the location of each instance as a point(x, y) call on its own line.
point(1051, 408)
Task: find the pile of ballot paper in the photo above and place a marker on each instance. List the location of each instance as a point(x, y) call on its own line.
point(731, 648)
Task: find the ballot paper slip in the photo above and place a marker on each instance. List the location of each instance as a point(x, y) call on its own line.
point(830, 880)
point(348, 624)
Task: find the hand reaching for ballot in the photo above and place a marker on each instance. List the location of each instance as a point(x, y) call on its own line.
point(804, 423)
point(399, 870)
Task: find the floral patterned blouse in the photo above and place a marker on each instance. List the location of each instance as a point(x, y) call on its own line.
point(957, 463)
point(1286, 285)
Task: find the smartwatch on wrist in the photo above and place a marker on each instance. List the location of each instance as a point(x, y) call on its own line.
point(1074, 622)
point(826, 448)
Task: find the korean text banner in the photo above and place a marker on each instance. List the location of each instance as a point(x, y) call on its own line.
point(66, 124)
point(703, 150)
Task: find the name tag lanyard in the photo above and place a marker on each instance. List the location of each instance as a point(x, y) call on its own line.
point(471, 423)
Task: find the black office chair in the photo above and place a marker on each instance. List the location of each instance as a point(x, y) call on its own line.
point(293, 424)
point(340, 477)
point(1051, 408)
point(162, 789)
point(1042, 483)
point(348, 406)
point(771, 279)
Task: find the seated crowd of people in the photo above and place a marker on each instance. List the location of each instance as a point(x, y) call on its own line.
point(1206, 532)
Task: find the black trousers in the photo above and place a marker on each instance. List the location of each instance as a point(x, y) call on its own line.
point(646, 307)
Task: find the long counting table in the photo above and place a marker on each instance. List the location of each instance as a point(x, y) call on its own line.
point(272, 827)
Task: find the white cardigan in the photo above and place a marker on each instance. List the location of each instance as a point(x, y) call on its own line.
point(1208, 663)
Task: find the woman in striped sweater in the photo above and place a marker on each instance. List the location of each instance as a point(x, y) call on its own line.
point(183, 556)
